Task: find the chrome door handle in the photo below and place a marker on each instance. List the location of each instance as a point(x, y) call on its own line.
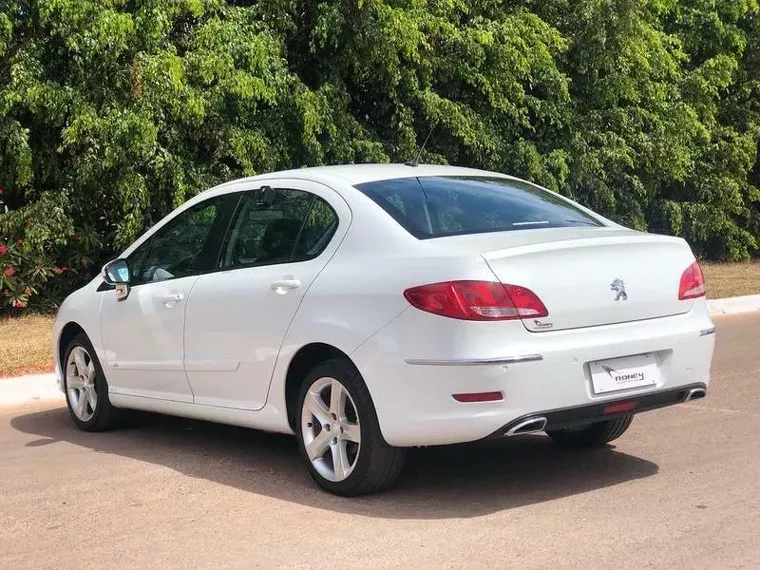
point(173, 298)
point(284, 285)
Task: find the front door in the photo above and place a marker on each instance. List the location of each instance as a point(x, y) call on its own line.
point(237, 317)
point(143, 334)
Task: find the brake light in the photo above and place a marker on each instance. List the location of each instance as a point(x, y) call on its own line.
point(692, 283)
point(477, 301)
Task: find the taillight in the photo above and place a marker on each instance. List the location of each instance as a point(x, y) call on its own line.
point(692, 283)
point(477, 301)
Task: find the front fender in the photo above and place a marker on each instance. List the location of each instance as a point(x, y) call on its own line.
point(81, 308)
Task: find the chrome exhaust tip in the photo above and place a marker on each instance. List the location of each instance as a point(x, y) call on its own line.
point(695, 394)
point(531, 425)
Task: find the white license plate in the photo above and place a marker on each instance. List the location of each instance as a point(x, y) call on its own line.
point(624, 373)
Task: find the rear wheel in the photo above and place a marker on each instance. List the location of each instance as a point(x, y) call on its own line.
point(339, 435)
point(592, 435)
point(86, 387)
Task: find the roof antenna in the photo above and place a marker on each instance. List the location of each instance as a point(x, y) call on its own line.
point(416, 159)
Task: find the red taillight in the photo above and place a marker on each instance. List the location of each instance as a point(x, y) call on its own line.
point(477, 301)
point(692, 283)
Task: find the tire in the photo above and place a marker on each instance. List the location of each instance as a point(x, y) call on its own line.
point(88, 388)
point(592, 435)
point(329, 430)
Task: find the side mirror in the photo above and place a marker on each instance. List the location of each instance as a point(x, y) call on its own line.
point(117, 273)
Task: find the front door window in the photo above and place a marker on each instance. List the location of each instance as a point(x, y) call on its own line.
point(186, 245)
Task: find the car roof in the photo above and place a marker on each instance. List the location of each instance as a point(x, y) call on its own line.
point(354, 174)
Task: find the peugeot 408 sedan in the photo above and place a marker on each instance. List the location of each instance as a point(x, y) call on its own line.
point(368, 309)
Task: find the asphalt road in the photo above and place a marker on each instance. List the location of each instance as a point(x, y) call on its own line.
point(681, 490)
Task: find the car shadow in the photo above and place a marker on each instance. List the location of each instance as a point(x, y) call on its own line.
point(441, 482)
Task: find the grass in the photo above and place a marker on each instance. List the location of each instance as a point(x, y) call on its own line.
point(732, 279)
point(25, 341)
point(25, 345)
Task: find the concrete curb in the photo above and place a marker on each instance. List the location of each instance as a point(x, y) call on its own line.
point(734, 305)
point(24, 389)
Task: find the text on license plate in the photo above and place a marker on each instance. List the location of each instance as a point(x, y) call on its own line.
point(624, 373)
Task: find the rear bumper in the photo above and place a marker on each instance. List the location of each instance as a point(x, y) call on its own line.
point(415, 365)
point(570, 417)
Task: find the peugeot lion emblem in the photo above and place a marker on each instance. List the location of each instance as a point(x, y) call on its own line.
point(618, 286)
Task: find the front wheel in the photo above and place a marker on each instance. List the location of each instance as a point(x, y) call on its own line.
point(86, 387)
point(339, 435)
point(592, 435)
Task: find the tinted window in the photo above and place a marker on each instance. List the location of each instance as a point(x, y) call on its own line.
point(320, 226)
point(184, 246)
point(430, 207)
point(287, 226)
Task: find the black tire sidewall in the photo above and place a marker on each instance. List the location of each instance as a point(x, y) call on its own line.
point(596, 434)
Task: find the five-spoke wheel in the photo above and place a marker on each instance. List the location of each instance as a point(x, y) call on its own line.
point(339, 435)
point(330, 429)
point(86, 388)
point(80, 383)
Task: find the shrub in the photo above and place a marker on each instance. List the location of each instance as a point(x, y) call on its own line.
point(112, 112)
point(42, 258)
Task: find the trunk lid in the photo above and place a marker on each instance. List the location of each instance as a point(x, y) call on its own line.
point(594, 279)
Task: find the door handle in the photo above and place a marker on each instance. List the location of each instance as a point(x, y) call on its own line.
point(284, 285)
point(173, 298)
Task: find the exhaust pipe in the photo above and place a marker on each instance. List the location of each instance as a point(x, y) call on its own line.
point(695, 394)
point(532, 425)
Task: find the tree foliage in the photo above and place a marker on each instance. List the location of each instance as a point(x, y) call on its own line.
point(112, 112)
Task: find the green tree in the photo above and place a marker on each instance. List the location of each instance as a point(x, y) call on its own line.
point(112, 112)
point(653, 140)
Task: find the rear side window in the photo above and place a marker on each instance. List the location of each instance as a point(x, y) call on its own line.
point(437, 206)
point(293, 226)
point(318, 229)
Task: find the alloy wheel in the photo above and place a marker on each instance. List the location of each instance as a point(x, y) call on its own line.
point(80, 384)
point(330, 429)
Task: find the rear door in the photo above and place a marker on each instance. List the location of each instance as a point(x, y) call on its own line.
point(237, 316)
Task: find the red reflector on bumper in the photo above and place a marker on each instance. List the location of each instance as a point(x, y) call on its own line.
point(620, 407)
point(479, 397)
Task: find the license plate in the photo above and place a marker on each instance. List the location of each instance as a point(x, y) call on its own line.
point(624, 373)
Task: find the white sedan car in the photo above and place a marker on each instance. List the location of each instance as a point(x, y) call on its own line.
point(372, 308)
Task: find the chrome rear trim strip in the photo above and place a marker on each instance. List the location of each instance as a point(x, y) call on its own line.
point(475, 361)
point(706, 332)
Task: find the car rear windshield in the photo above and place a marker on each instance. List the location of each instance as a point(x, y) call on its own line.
point(437, 206)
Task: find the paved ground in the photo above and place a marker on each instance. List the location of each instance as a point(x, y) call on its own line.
point(680, 491)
